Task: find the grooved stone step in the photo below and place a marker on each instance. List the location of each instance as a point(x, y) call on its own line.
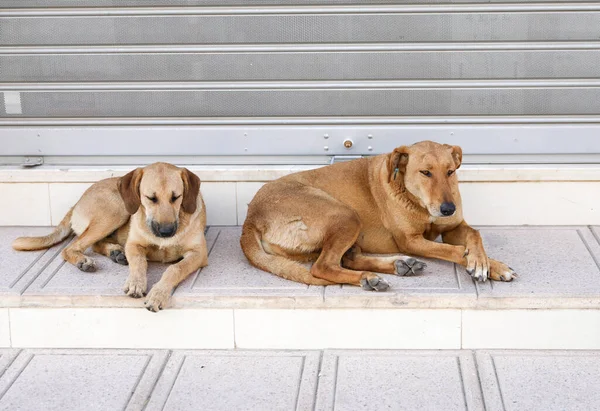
point(345, 380)
point(554, 304)
point(558, 268)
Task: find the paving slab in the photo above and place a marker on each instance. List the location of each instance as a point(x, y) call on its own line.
point(540, 380)
point(230, 279)
point(237, 380)
point(19, 268)
point(64, 380)
point(399, 380)
point(555, 265)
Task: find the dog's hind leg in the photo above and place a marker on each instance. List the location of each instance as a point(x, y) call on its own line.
point(74, 253)
point(340, 234)
point(389, 264)
point(111, 249)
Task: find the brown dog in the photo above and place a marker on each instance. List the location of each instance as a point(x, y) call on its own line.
point(391, 203)
point(154, 213)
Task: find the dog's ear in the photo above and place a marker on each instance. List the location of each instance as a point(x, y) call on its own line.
point(191, 188)
point(456, 154)
point(398, 161)
point(129, 188)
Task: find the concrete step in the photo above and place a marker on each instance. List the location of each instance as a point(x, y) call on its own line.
point(346, 380)
point(554, 304)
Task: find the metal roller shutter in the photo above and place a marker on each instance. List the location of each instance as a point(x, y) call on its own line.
point(262, 79)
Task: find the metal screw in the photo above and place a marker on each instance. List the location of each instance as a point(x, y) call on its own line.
point(370, 148)
point(326, 148)
point(348, 143)
point(326, 136)
point(370, 136)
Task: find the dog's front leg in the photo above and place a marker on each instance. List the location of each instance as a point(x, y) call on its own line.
point(136, 283)
point(419, 246)
point(160, 294)
point(479, 266)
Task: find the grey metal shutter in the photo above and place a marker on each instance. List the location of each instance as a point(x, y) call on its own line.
point(298, 77)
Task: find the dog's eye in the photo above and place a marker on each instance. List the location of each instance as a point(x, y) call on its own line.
point(450, 172)
point(426, 173)
point(153, 199)
point(174, 198)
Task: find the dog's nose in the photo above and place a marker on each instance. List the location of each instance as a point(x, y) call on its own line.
point(447, 209)
point(164, 230)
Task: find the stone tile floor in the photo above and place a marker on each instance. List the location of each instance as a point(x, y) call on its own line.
point(42, 379)
point(558, 268)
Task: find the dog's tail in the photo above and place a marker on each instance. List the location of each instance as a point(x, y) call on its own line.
point(276, 264)
point(62, 231)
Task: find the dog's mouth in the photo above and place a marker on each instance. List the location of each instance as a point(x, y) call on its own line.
point(164, 230)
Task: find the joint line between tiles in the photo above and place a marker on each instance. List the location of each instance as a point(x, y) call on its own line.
point(208, 255)
point(139, 379)
point(300, 379)
point(462, 381)
point(16, 377)
point(316, 390)
point(498, 382)
point(173, 383)
point(158, 377)
point(478, 374)
point(233, 325)
point(588, 247)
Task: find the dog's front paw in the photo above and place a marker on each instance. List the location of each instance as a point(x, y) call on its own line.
point(373, 282)
point(135, 287)
point(409, 266)
point(501, 272)
point(478, 264)
point(86, 264)
point(158, 297)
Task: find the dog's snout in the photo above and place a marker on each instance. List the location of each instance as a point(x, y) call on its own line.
point(164, 230)
point(447, 209)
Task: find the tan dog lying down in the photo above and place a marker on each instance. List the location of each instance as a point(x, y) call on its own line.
point(153, 213)
point(387, 204)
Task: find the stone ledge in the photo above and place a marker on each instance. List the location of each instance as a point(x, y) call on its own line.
point(558, 269)
point(261, 173)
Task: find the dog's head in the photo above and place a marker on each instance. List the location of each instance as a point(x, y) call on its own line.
point(427, 170)
point(160, 191)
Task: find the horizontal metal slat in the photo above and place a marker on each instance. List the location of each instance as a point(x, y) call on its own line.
point(307, 9)
point(301, 66)
point(295, 140)
point(343, 28)
point(300, 47)
point(324, 102)
point(181, 3)
point(249, 121)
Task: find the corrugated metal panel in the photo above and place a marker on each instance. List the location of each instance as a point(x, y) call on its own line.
point(324, 65)
point(299, 28)
point(514, 78)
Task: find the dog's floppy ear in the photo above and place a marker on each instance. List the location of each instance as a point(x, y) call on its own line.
point(191, 188)
point(456, 154)
point(129, 188)
point(398, 161)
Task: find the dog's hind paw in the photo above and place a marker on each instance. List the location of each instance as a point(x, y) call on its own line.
point(372, 282)
point(87, 264)
point(409, 266)
point(118, 257)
